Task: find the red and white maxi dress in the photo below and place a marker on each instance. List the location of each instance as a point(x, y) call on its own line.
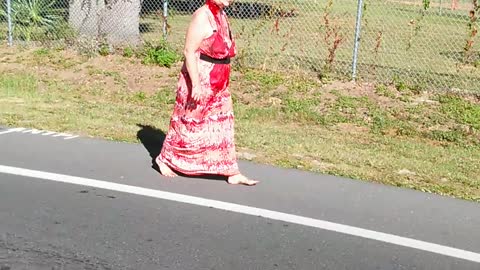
point(200, 139)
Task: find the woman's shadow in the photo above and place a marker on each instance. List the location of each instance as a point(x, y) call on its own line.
point(153, 139)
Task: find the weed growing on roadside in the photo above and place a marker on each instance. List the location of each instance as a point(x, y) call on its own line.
point(159, 54)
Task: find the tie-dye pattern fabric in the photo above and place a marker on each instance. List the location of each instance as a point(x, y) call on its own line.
point(200, 139)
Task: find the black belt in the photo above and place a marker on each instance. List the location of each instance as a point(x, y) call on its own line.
point(207, 58)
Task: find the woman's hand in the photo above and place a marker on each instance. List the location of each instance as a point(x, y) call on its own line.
point(197, 93)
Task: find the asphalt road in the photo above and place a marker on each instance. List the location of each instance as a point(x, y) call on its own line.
point(46, 224)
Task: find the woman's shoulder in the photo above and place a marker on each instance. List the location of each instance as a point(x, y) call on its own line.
point(202, 15)
point(201, 12)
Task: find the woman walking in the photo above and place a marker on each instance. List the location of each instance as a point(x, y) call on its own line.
point(200, 139)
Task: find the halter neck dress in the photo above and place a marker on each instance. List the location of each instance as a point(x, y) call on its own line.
point(200, 138)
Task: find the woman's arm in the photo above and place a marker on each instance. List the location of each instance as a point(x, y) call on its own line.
point(197, 31)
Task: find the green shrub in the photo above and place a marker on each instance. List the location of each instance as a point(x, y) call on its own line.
point(159, 54)
point(460, 110)
point(128, 52)
point(104, 49)
point(455, 136)
point(35, 20)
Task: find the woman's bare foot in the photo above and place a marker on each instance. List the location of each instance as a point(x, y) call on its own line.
point(165, 170)
point(240, 179)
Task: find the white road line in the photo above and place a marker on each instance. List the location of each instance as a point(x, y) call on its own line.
point(48, 133)
point(33, 131)
point(11, 130)
point(5, 132)
point(321, 224)
point(66, 136)
point(62, 134)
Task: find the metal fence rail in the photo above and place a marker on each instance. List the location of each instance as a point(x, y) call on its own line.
point(428, 43)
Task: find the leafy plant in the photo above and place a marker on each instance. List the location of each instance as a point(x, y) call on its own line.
point(160, 54)
point(383, 90)
point(461, 110)
point(128, 52)
point(416, 24)
point(472, 31)
point(333, 36)
point(104, 49)
point(447, 135)
point(278, 14)
point(426, 4)
point(35, 19)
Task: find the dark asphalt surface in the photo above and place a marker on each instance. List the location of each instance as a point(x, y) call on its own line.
point(48, 225)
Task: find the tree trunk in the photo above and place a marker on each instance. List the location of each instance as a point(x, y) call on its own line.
point(120, 22)
point(83, 16)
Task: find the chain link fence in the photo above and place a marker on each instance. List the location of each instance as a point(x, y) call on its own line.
point(432, 44)
point(426, 43)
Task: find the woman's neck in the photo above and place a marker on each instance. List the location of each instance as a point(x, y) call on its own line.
point(214, 8)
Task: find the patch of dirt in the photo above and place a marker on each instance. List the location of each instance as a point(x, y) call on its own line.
point(349, 128)
point(359, 90)
point(137, 77)
point(113, 72)
point(322, 166)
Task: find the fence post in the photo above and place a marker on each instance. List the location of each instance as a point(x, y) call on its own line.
point(165, 14)
point(357, 39)
point(9, 18)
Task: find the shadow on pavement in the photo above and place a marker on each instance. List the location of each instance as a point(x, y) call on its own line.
point(152, 139)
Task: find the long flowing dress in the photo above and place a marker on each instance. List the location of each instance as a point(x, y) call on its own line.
point(200, 139)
